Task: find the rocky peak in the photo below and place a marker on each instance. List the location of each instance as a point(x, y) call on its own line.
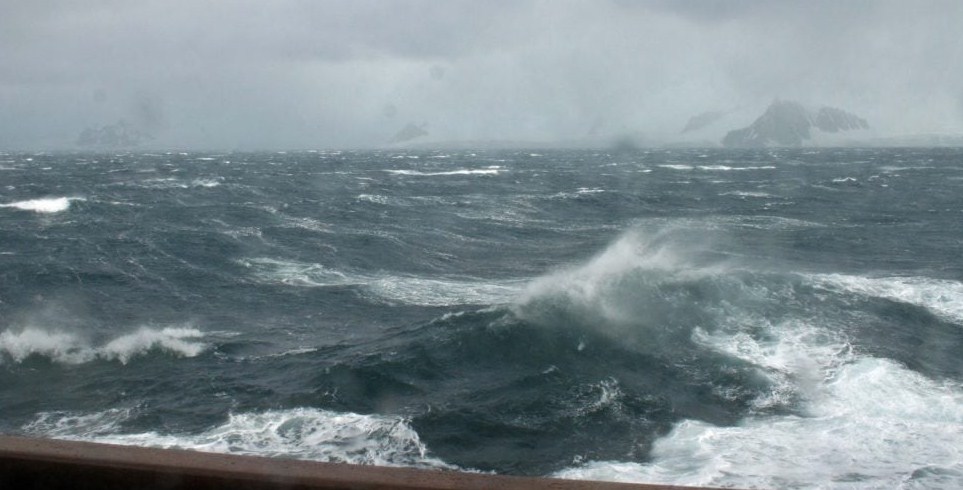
point(788, 123)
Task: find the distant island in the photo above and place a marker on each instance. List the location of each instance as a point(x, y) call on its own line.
point(409, 132)
point(118, 135)
point(787, 123)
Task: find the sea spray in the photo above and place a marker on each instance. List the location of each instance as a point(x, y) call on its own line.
point(67, 348)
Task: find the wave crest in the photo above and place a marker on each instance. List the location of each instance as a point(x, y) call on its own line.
point(68, 348)
point(638, 281)
point(941, 297)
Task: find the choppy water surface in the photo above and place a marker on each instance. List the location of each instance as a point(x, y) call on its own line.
point(750, 318)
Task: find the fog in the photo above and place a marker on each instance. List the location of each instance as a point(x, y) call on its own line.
point(322, 74)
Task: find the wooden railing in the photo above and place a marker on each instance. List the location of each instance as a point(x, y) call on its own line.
point(28, 463)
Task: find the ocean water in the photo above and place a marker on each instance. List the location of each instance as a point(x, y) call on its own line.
point(770, 318)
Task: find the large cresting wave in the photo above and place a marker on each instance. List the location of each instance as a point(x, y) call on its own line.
point(830, 411)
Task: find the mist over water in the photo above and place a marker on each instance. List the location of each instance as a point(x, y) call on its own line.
point(773, 318)
point(369, 74)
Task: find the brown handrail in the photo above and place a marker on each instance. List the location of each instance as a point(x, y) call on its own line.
point(29, 463)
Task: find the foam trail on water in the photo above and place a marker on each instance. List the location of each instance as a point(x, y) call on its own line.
point(302, 433)
point(46, 205)
point(943, 298)
point(68, 348)
point(412, 290)
point(433, 292)
point(876, 425)
point(481, 171)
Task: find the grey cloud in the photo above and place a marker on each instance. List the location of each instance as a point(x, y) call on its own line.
point(322, 73)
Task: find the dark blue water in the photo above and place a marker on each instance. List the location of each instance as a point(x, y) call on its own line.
point(780, 318)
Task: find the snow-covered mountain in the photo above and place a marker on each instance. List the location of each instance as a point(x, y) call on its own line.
point(787, 123)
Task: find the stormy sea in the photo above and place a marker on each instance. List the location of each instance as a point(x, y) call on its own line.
point(787, 318)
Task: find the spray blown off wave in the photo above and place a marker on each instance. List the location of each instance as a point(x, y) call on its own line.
point(67, 348)
point(834, 399)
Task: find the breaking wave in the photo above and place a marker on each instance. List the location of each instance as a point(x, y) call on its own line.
point(828, 413)
point(874, 424)
point(943, 298)
point(302, 433)
point(46, 205)
point(69, 348)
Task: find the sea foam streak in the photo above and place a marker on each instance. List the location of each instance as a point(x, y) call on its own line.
point(943, 298)
point(405, 289)
point(303, 433)
point(47, 205)
point(68, 348)
point(480, 171)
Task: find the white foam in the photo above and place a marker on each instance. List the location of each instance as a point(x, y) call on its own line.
point(796, 356)
point(434, 292)
point(581, 191)
point(861, 422)
point(877, 425)
point(178, 341)
point(726, 168)
point(677, 167)
point(747, 194)
point(412, 290)
point(373, 198)
point(594, 290)
point(295, 273)
point(69, 348)
point(479, 171)
point(845, 180)
point(942, 297)
point(302, 433)
point(205, 183)
point(47, 205)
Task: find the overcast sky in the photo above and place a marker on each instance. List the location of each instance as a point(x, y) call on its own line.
point(311, 74)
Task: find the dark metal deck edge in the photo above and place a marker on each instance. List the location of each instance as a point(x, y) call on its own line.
point(30, 463)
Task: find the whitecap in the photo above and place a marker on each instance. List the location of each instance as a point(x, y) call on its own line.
point(301, 433)
point(747, 194)
point(726, 168)
point(205, 183)
point(373, 198)
point(481, 171)
point(845, 180)
point(875, 425)
point(69, 348)
point(944, 298)
point(46, 205)
point(443, 292)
